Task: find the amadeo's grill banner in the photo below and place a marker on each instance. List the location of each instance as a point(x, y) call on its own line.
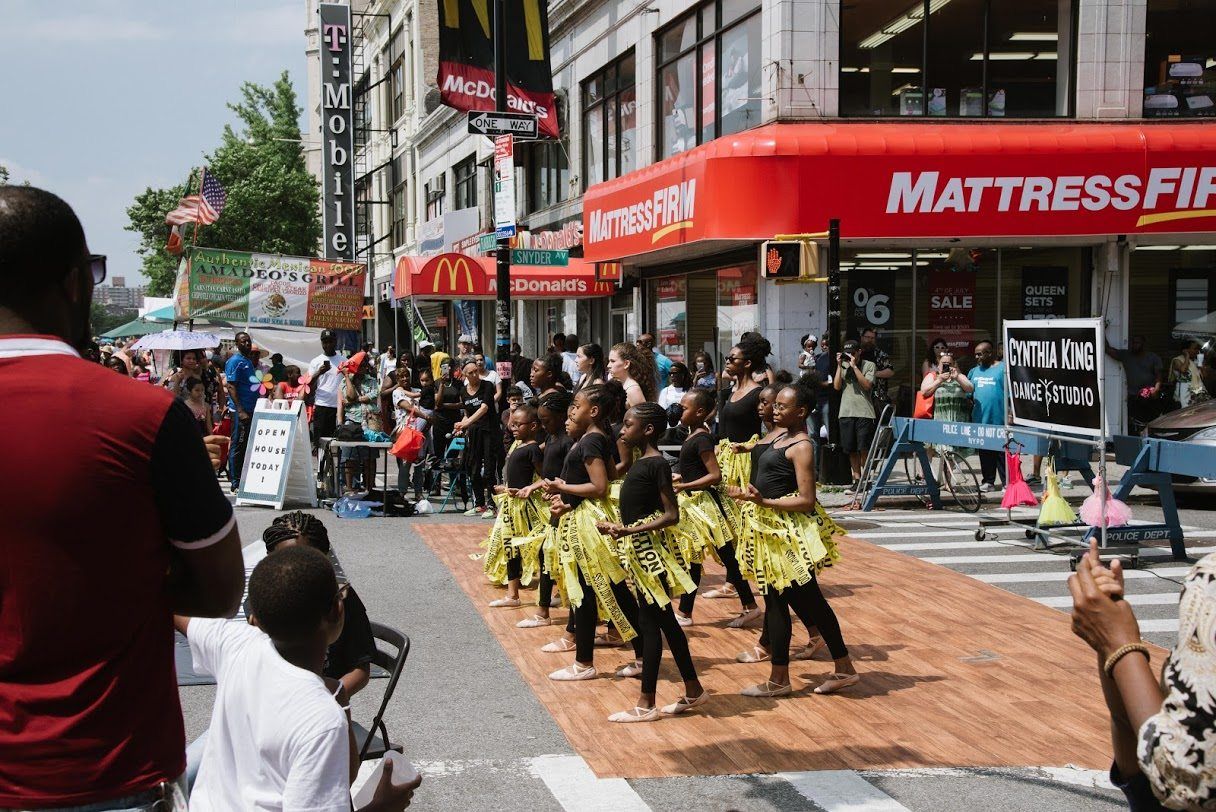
point(466, 58)
point(247, 288)
point(1055, 374)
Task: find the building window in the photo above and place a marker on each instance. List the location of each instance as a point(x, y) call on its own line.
point(465, 177)
point(609, 122)
point(548, 175)
point(399, 201)
point(957, 58)
point(434, 192)
point(1179, 61)
point(709, 74)
point(396, 80)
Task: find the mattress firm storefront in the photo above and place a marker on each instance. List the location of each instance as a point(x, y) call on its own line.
point(946, 230)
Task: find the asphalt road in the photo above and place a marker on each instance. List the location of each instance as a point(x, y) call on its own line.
point(483, 741)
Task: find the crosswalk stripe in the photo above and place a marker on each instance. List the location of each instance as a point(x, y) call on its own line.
point(948, 545)
point(904, 534)
point(575, 787)
point(841, 791)
point(1016, 558)
point(1162, 625)
point(1146, 599)
point(1044, 577)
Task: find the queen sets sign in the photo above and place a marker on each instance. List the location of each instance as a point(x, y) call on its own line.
point(1054, 369)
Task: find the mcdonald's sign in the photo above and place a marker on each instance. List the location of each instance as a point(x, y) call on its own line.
point(452, 275)
point(466, 58)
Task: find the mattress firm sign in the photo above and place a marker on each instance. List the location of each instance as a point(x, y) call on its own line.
point(1055, 374)
point(337, 133)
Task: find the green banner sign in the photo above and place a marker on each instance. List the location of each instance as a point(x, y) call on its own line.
point(538, 256)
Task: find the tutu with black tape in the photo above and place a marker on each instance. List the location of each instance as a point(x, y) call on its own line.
point(704, 526)
point(736, 473)
point(575, 546)
point(780, 548)
point(656, 567)
point(517, 519)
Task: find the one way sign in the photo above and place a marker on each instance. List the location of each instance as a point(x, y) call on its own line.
point(520, 125)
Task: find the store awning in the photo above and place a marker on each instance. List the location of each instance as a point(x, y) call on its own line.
point(457, 276)
point(912, 180)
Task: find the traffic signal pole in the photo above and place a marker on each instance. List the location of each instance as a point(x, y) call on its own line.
point(502, 304)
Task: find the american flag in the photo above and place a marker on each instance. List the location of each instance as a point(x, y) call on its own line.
point(203, 209)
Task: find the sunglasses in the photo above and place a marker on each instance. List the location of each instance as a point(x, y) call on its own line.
point(97, 266)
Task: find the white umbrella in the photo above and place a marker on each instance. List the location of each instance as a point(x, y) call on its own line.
point(177, 340)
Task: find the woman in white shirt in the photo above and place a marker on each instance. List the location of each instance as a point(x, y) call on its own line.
point(680, 381)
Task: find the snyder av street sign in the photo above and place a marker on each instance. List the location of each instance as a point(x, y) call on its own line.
point(521, 125)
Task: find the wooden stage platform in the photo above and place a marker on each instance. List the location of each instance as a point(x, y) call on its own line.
point(955, 673)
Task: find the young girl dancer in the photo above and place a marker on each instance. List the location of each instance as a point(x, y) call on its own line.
point(783, 546)
point(582, 562)
point(518, 517)
point(739, 424)
point(761, 652)
point(704, 525)
point(650, 553)
point(551, 413)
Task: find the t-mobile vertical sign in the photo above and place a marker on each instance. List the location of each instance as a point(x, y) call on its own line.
point(337, 138)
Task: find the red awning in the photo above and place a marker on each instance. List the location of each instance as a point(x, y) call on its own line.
point(912, 180)
point(457, 276)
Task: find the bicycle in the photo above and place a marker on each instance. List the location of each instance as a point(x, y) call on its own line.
point(959, 478)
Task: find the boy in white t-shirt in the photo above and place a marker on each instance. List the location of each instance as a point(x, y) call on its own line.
point(280, 737)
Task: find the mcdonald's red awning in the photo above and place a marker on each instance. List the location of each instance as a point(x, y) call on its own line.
point(457, 276)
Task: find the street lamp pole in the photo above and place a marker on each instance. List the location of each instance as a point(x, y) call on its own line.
point(502, 304)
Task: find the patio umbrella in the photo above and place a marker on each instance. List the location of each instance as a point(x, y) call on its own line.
point(177, 340)
point(138, 327)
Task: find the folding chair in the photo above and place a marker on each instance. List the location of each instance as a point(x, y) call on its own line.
point(373, 741)
point(453, 464)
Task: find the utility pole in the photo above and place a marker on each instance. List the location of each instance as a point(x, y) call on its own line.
point(834, 463)
point(502, 305)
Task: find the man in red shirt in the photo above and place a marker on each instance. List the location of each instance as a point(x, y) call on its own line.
point(112, 522)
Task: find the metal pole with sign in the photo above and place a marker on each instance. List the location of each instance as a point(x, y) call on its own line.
point(504, 168)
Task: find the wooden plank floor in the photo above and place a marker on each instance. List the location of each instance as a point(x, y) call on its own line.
point(955, 673)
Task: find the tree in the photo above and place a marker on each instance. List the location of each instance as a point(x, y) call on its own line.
point(272, 198)
point(104, 320)
point(3, 175)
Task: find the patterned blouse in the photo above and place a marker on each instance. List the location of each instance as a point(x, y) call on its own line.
point(1177, 748)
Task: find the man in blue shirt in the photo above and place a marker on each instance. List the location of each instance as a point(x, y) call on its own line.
point(662, 362)
point(241, 401)
point(988, 377)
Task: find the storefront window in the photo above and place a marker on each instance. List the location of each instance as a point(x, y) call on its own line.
point(959, 295)
point(1172, 295)
point(709, 75)
point(609, 120)
point(567, 316)
point(669, 316)
point(707, 311)
point(1179, 59)
point(737, 308)
point(956, 58)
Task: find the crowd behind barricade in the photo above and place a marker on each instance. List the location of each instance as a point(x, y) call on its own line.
point(90, 716)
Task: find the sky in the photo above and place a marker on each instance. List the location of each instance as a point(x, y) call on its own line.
point(104, 98)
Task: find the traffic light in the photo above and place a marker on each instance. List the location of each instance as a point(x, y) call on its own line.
point(789, 259)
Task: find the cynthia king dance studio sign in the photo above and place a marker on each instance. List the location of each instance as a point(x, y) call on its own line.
point(1055, 374)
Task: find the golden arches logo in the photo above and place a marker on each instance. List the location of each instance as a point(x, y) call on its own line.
point(453, 268)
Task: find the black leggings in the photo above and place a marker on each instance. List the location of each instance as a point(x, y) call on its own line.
point(733, 577)
point(481, 463)
point(587, 617)
point(654, 625)
point(809, 603)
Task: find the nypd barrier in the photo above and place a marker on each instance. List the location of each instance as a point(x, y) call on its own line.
point(911, 437)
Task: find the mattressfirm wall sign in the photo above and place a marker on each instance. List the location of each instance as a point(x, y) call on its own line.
point(1055, 374)
point(337, 133)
